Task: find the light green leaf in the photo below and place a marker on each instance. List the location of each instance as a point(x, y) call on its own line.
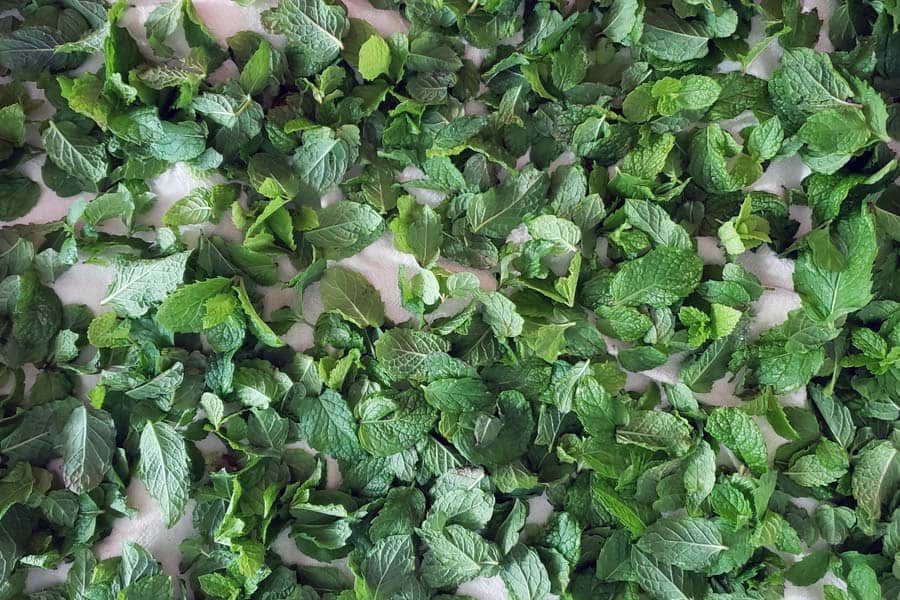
point(202, 205)
point(345, 228)
point(391, 425)
point(323, 158)
point(315, 27)
point(456, 555)
point(835, 131)
point(389, 566)
point(688, 542)
point(655, 222)
point(182, 311)
point(258, 326)
point(402, 353)
point(374, 57)
point(257, 72)
point(524, 575)
point(657, 578)
point(659, 278)
point(140, 284)
point(737, 430)
point(163, 467)
point(829, 295)
point(79, 155)
point(417, 230)
point(328, 425)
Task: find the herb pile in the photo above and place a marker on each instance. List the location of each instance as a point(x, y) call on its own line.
point(576, 161)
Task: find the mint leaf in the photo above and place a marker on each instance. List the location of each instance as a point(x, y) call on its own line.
point(661, 277)
point(314, 27)
point(87, 448)
point(829, 295)
point(456, 555)
point(328, 425)
point(79, 155)
point(740, 433)
point(349, 294)
point(374, 57)
point(687, 542)
point(163, 468)
point(142, 283)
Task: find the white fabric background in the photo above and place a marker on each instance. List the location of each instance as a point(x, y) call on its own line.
point(379, 262)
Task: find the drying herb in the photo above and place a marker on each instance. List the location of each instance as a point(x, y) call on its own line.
point(573, 162)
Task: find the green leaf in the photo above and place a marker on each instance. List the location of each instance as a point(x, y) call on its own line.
point(77, 154)
point(835, 131)
point(163, 467)
point(458, 394)
point(12, 124)
point(349, 294)
point(374, 58)
point(829, 295)
point(403, 353)
point(217, 585)
point(659, 278)
point(417, 230)
point(691, 543)
point(140, 284)
point(322, 160)
point(716, 163)
point(161, 24)
point(875, 475)
point(710, 365)
point(524, 575)
point(497, 212)
point(621, 510)
point(657, 578)
point(328, 425)
point(826, 465)
point(345, 228)
point(810, 569)
point(314, 27)
point(656, 223)
point(656, 430)
point(621, 21)
point(391, 425)
point(456, 555)
point(87, 449)
point(738, 431)
point(15, 486)
point(765, 140)
point(220, 108)
point(500, 314)
point(389, 565)
point(836, 415)
point(136, 563)
point(834, 522)
point(183, 310)
point(18, 196)
point(29, 50)
point(258, 326)
point(257, 72)
point(148, 588)
point(107, 332)
point(671, 39)
point(563, 234)
point(202, 205)
point(806, 80)
point(699, 475)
